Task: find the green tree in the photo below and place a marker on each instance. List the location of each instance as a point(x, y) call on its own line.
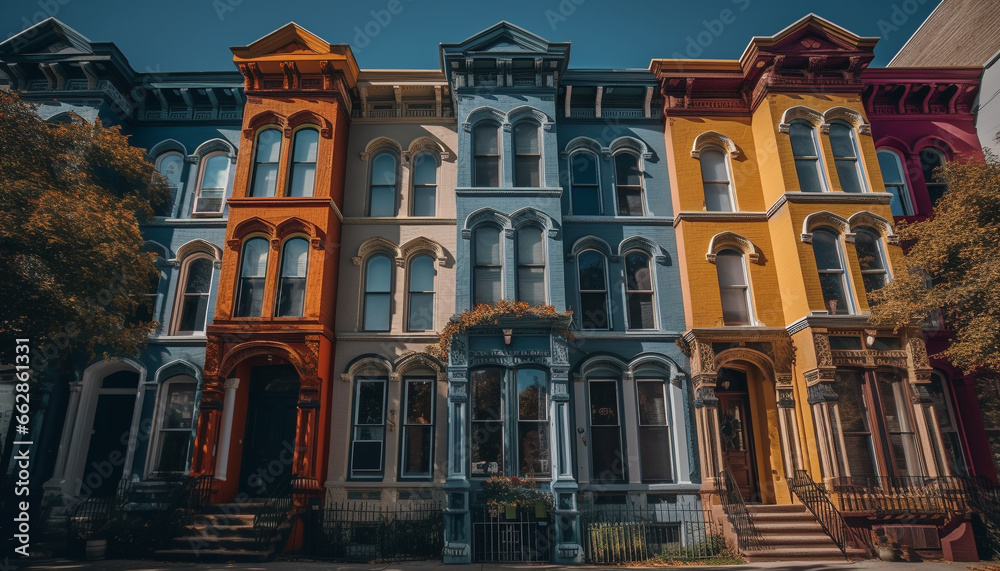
point(952, 267)
point(72, 196)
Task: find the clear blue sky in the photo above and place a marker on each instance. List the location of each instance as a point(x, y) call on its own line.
point(196, 34)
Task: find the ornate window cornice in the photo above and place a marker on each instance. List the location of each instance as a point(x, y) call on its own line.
point(865, 218)
point(644, 244)
point(632, 144)
point(724, 240)
point(376, 245)
point(306, 117)
point(585, 144)
point(419, 246)
point(421, 144)
point(485, 114)
point(248, 227)
point(827, 219)
point(380, 144)
point(368, 364)
point(590, 243)
point(799, 112)
point(855, 118)
point(710, 139)
point(484, 215)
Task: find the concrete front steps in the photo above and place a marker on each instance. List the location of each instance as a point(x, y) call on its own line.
point(791, 532)
point(224, 532)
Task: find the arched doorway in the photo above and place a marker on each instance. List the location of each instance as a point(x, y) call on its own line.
point(269, 438)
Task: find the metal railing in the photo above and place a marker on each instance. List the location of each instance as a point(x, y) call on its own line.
point(370, 531)
point(275, 512)
point(92, 517)
point(944, 496)
point(184, 502)
point(816, 500)
point(524, 538)
point(736, 510)
point(614, 534)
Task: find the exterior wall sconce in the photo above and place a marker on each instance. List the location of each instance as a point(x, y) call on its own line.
point(506, 336)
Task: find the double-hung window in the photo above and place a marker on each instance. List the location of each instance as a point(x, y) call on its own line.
point(733, 287)
point(606, 450)
point(527, 155)
point(531, 265)
point(832, 277)
point(894, 177)
point(212, 184)
point(382, 195)
point(844, 145)
point(585, 184)
point(486, 155)
point(265, 164)
point(292, 284)
point(253, 269)
point(302, 175)
point(194, 300)
point(639, 291)
point(418, 428)
point(592, 268)
point(805, 149)
point(368, 442)
point(425, 185)
point(715, 180)
point(654, 432)
point(871, 258)
point(488, 266)
point(628, 185)
point(421, 302)
point(378, 294)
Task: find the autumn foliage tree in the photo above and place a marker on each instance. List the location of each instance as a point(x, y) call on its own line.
point(72, 196)
point(952, 268)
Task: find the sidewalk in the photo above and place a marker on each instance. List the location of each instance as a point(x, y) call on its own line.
point(293, 565)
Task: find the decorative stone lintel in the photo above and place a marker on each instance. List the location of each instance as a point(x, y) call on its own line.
point(822, 392)
point(819, 375)
point(705, 396)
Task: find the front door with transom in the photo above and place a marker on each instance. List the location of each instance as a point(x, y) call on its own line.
point(736, 432)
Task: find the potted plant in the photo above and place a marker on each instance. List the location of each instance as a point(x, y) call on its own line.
point(888, 549)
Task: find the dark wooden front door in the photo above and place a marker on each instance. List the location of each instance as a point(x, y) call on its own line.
point(736, 438)
point(108, 443)
point(269, 442)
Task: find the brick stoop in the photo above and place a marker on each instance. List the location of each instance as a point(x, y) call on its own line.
point(791, 532)
point(224, 532)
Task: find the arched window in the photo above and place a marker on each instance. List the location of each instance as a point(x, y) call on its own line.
point(639, 291)
point(628, 185)
point(211, 194)
point(302, 175)
point(531, 265)
point(806, 153)
point(421, 302)
point(382, 198)
point(585, 184)
point(593, 276)
point(265, 163)
point(608, 458)
point(425, 185)
point(654, 430)
point(894, 177)
point(930, 159)
point(176, 415)
point(527, 155)
point(715, 179)
point(871, 258)
point(197, 279)
point(832, 277)
point(734, 287)
point(486, 151)
point(378, 293)
point(488, 270)
point(170, 165)
point(250, 294)
point(292, 284)
point(844, 145)
point(418, 428)
point(368, 443)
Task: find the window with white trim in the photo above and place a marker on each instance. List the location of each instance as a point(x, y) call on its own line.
point(531, 265)
point(593, 276)
point(292, 282)
point(527, 155)
point(253, 270)
point(383, 190)
point(607, 451)
point(174, 424)
point(193, 308)
point(368, 430)
point(487, 272)
point(805, 149)
point(418, 428)
point(629, 185)
point(871, 258)
point(522, 447)
point(654, 431)
point(486, 155)
point(639, 296)
point(832, 277)
point(302, 174)
point(421, 300)
point(734, 287)
point(585, 184)
point(715, 180)
point(425, 166)
point(844, 145)
point(894, 178)
point(378, 293)
point(171, 166)
point(264, 180)
point(211, 193)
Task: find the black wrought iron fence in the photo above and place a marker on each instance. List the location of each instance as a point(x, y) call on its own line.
point(615, 534)
point(93, 517)
point(369, 531)
point(522, 538)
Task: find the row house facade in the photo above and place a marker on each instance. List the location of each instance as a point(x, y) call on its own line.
point(128, 418)
point(704, 234)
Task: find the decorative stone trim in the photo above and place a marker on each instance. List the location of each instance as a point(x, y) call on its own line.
point(799, 112)
point(826, 218)
point(724, 240)
point(854, 118)
point(710, 139)
point(375, 245)
point(380, 144)
point(865, 218)
point(632, 144)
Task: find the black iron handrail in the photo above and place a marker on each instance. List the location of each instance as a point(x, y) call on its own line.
point(184, 503)
point(274, 512)
point(93, 516)
point(736, 510)
point(816, 500)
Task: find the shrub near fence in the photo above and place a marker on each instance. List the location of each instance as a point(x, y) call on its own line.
point(366, 531)
point(625, 534)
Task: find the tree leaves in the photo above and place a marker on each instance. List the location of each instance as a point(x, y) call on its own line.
point(953, 266)
point(72, 196)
